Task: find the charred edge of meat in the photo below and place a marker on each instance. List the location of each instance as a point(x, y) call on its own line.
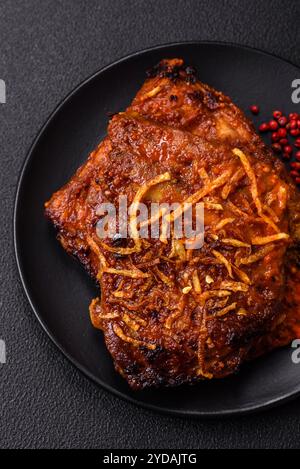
point(173, 72)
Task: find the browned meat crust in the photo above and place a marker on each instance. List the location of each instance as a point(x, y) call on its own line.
point(171, 315)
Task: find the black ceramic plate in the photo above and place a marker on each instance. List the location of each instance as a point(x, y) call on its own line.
point(58, 288)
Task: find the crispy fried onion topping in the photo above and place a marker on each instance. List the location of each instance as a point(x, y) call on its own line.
point(136, 343)
point(253, 187)
point(234, 286)
point(193, 199)
point(260, 254)
point(235, 242)
point(164, 278)
point(196, 282)
point(96, 312)
point(135, 206)
point(151, 93)
point(231, 268)
point(223, 311)
point(133, 323)
point(223, 223)
point(177, 313)
point(242, 275)
point(269, 239)
point(236, 177)
point(212, 206)
point(95, 248)
point(134, 273)
point(178, 250)
point(212, 294)
point(224, 261)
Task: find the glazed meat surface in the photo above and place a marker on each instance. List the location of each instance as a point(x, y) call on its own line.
point(169, 314)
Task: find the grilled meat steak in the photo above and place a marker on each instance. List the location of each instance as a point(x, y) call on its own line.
point(172, 315)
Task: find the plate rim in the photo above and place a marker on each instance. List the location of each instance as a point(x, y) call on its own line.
point(247, 409)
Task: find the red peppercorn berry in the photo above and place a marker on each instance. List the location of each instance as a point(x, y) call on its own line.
point(288, 149)
point(282, 133)
point(282, 126)
point(282, 121)
point(254, 109)
point(264, 127)
point(273, 125)
point(277, 114)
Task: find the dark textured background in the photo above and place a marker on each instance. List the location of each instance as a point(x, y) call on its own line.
point(46, 48)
